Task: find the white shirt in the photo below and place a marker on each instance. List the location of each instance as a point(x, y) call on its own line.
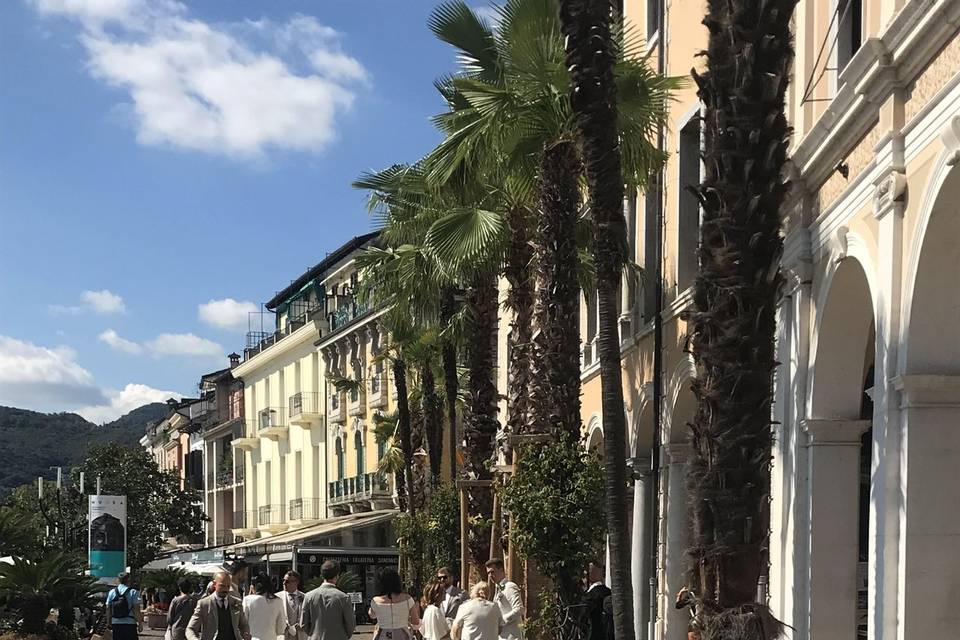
point(434, 626)
point(478, 620)
point(266, 617)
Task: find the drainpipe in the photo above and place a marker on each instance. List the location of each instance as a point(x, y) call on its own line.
point(657, 354)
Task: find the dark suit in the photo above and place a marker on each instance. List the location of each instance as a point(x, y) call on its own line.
point(594, 599)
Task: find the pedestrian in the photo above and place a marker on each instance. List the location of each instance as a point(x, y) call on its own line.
point(434, 625)
point(293, 604)
point(395, 611)
point(181, 610)
point(126, 616)
point(220, 615)
point(239, 573)
point(327, 613)
point(264, 610)
point(508, 598)
point(594, 598)
point(453, 596)
point(478, 618)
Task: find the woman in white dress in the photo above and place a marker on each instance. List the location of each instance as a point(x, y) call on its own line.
point(478, 618)
point(395, 611)
point(434, 625)
point(264, 610)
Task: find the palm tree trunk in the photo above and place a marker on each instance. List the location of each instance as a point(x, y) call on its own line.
point(481, 420)
point(520, 301)
point(432, 419)
point(450, 375)
point(732, 324)
point(556, 380)
point(404, 430)
point(590, 57)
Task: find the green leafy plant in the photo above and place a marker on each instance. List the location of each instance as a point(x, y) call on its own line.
point(19, 533)
point(427, 541)
point(347, 582)
point(166, 579)
point(33, 587)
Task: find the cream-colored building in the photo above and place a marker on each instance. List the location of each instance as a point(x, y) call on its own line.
point(865, 539)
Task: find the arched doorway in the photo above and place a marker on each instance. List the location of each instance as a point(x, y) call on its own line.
point(930, 423)
point(839, 449)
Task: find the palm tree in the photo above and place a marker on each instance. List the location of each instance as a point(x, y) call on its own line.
point(732, 324)
point(593, 51)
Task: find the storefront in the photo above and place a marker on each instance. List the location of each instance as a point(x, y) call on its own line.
point(360, 567)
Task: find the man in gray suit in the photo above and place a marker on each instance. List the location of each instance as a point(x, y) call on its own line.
point(219, 616)
point(293, 605)
point(453, 596)
point(327, 613)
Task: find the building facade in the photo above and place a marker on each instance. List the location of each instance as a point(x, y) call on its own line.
point(868, 393)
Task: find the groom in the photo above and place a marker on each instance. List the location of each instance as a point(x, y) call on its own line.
point(220, 615)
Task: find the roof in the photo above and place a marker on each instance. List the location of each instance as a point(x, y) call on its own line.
point(318, 269)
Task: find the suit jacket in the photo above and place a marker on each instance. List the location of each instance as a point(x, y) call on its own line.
point(594, 599)
point(510, 601)
point(457, 596)
point(327, 614)
point(294, 631)
point(203, 622)
point(179, 615)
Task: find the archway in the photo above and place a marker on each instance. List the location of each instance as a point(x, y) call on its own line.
point(839, 449)
point(930, 414)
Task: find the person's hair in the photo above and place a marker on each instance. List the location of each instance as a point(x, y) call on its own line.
point(238, 566)
point(494, 563)
point(448, 571)
point(293, 574)
point(480, 590)
point(223, 573)
point(434, 595)
point(388, 583)
point(263, 585)
point(124, 578)
point(185, 585)
point(330, 569)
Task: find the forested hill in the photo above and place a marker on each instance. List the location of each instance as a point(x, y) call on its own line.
point(33, 442)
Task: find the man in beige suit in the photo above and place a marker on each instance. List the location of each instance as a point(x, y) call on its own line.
point(327, 613)
point(219, 616)
point(293, 605)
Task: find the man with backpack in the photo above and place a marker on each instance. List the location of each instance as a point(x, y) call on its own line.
point(123, 604)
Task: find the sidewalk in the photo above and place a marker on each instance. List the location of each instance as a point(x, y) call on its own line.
point(363, 632)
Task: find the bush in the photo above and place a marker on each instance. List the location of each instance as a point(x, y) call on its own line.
point(429, 540)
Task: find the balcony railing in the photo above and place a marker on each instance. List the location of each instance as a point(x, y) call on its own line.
point(238, 473)
point(299, 313)
point(225, 478)
point(270, 514)
point(305, 402)
point(270, 418)
point(346, 313)
point(305, 509)
point(364, 487)
point(244, 519)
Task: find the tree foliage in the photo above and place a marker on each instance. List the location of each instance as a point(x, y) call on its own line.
point(427, 541)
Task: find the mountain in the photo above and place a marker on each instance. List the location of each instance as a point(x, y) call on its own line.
point(34, 441)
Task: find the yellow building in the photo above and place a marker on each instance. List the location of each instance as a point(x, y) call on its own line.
point(861, 544)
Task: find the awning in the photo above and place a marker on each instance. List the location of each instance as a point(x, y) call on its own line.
point(288, 540)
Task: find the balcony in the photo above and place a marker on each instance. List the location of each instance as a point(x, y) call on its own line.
point(298, 314)
point(305, 409)
point(224, 537)
point(335, 405)
point(225, 478)
point(348, 311)
point(272, 518)
point(250, 441)
point(360, 493)
point(305, 510)
point(271, 423)
point(244, 525)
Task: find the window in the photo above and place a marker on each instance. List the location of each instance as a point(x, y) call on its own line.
point(338, 450)
point(849, 31)
point(358, 445)
point(653, 17)
point(688, 224)
point(651, 236)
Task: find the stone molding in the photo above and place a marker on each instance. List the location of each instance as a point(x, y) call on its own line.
point(951, 140)
point(890, 195)
point(919, 391)
point(834, 432)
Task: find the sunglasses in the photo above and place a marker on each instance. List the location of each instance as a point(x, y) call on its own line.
point(443, 577)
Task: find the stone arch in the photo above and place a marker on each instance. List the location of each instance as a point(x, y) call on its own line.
point(641, 424)
point(681, 403)
point(595, 434)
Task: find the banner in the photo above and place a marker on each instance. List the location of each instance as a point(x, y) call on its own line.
point(108, 537)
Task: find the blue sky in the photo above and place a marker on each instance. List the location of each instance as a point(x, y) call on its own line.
point(157, 156)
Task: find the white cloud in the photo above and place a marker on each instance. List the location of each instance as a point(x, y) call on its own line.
point(183, 344)
point(124, 401)
point(488, 13)
point(227, 313)
point(119, 344)
point(103, 301)
point(235, 90)
point(44, 378)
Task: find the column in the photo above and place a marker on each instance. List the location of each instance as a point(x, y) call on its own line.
point(626, 281)
point(675, 575)
point(834, 486)
point(640, 544)
point(930, 521)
